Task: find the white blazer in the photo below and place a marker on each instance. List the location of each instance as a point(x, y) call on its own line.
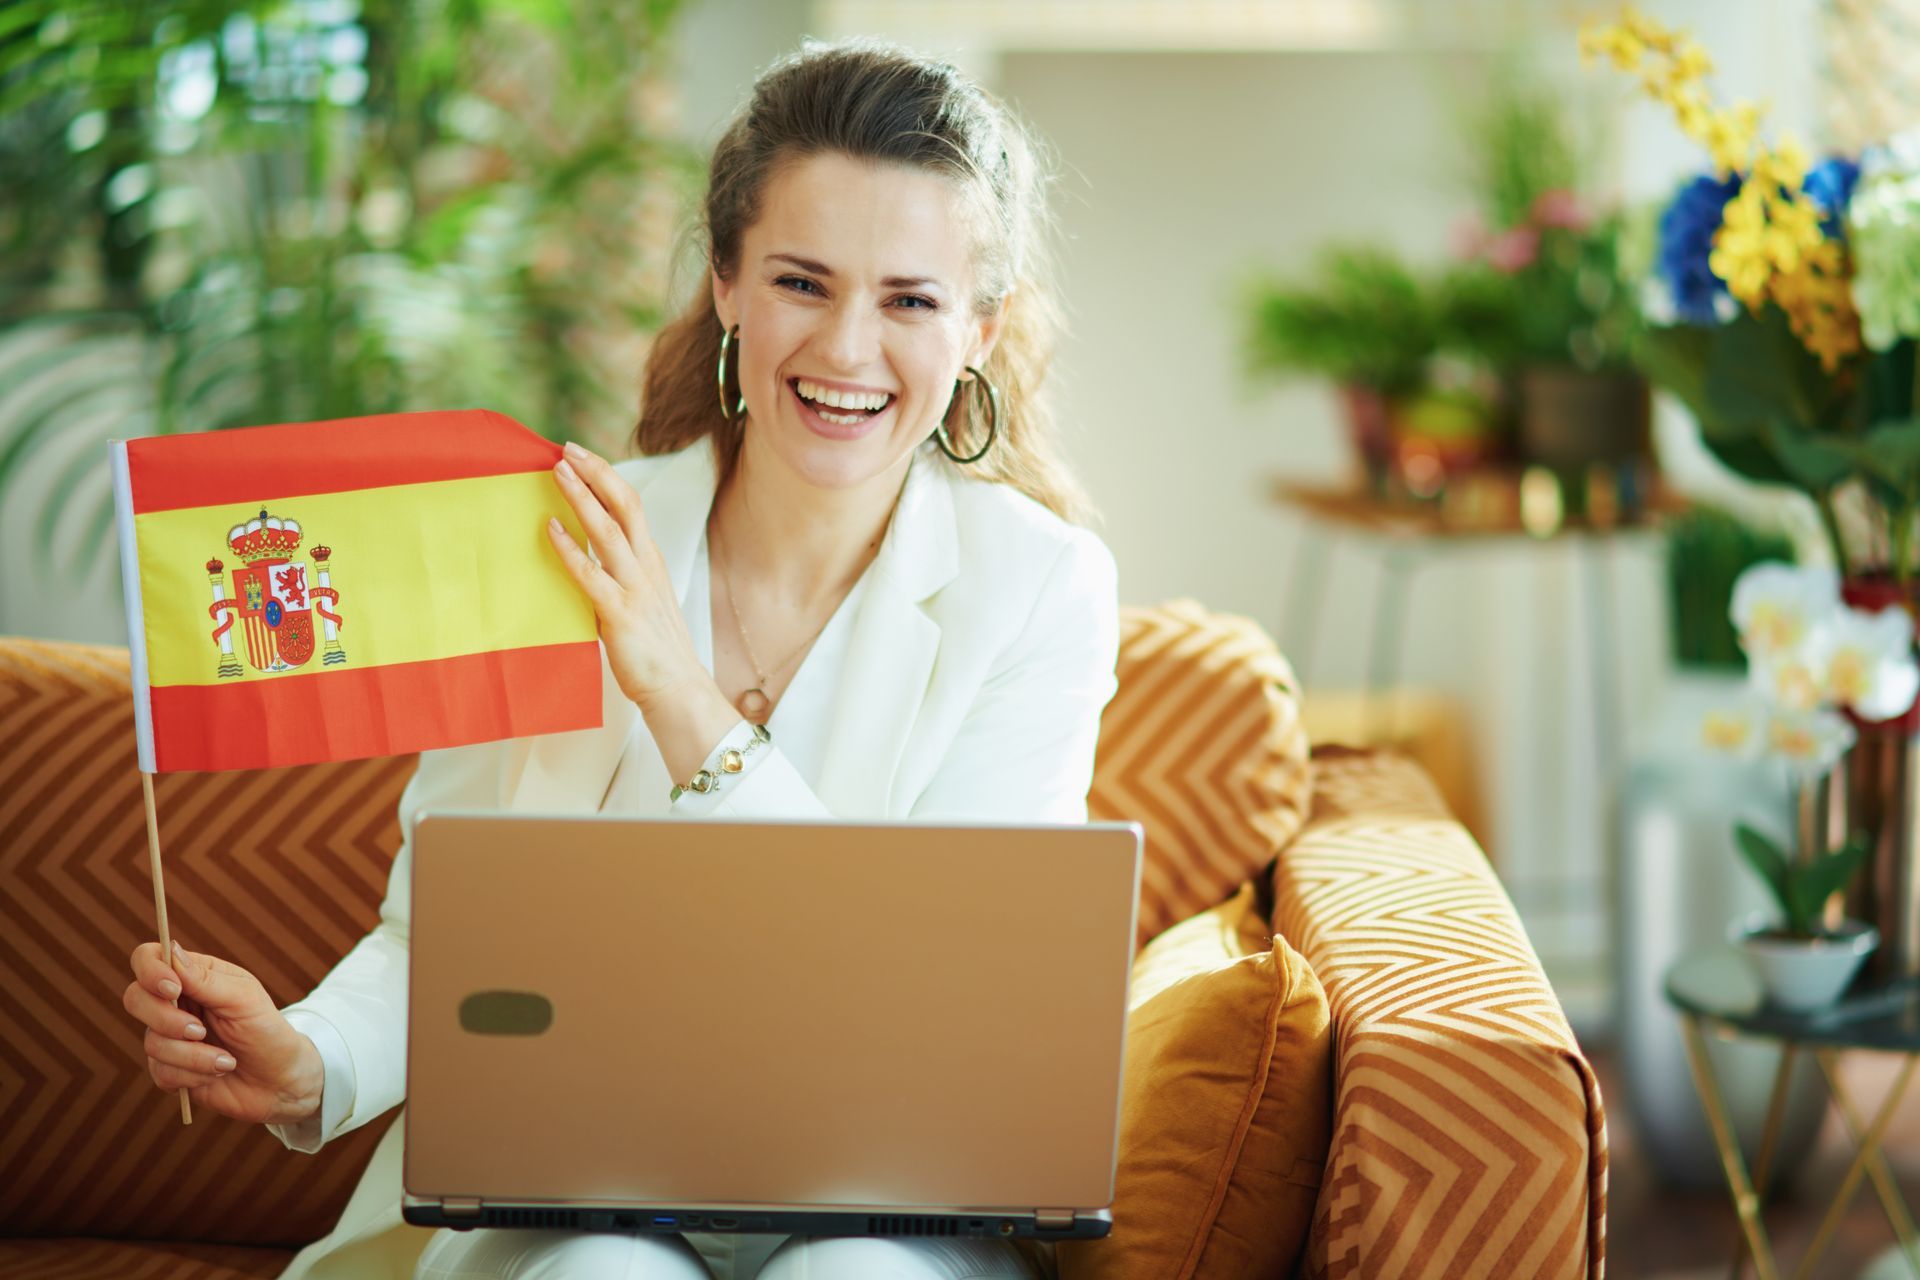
point(976, 670)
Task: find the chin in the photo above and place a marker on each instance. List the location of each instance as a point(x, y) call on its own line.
point(841, 464)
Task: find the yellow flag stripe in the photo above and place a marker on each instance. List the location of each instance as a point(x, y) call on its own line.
point(423, 571)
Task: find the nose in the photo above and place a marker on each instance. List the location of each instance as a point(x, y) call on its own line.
point(850, 340)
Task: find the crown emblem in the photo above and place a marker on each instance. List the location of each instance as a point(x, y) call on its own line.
point(264, 536)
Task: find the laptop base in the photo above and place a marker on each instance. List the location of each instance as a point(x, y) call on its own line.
point(804, 1222)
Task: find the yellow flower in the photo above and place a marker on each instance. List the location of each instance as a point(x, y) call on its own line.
point(1742, 251)
point(1691, 62)
point(1729, 136)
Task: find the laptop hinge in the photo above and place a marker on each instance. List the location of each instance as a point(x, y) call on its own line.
point(460, 1206)
point(1053, 1219)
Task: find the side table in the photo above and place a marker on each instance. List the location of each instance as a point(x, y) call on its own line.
point(1714, 992)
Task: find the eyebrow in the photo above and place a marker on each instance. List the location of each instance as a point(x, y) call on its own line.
point(822, 269)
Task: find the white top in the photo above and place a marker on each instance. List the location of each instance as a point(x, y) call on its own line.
point(799, 723)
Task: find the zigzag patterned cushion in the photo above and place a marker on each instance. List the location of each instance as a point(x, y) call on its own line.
point(1469, 1137)
point(1204, 746)
point(280, 871)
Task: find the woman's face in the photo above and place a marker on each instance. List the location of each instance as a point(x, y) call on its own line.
point(853, 290)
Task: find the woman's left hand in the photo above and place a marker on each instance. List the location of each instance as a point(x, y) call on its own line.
point(641, 625)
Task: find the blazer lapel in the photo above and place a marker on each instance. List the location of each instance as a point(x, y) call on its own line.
point(569, 772)
point(891, 652)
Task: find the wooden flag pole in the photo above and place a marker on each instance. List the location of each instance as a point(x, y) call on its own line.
point(160, 904)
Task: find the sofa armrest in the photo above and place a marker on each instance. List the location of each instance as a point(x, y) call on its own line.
point(1469, 1137)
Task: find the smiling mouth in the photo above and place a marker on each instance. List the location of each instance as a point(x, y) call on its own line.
point(836, 414)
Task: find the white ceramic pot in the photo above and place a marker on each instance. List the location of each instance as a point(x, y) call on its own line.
point(1805, 973)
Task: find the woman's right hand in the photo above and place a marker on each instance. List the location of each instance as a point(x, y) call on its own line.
point(212, 1029)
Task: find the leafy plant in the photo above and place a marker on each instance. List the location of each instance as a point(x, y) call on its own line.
point(1801, 887)
point(1361, 316)
point(1541, 279)
point(228, 212)
point(1707, 550)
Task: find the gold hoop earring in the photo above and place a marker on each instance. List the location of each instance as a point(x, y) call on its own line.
point(993, 419)
point(727, 339)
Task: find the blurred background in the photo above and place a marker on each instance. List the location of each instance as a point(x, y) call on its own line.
point(1358, 291)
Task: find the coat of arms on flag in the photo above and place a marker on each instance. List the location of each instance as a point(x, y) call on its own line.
point(273, 599)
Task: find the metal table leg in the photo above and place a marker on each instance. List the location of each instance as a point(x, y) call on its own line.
point(1870, 1154)
point(1306, 592)
point(1769, 1141)
point(1388, 640)
point(1745, 1203)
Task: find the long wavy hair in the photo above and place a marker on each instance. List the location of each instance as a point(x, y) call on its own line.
point(873, 101)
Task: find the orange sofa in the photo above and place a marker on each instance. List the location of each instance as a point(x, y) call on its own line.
point(1468, 1135)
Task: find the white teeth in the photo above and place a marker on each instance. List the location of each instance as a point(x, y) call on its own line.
point(871, 400)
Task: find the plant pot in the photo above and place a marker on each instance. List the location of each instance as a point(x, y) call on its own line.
point(1370, 431)
point(1803, 974)
point(1571, 419)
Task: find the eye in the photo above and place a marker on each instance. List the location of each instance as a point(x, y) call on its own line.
point(926, 304)
point(791, 281)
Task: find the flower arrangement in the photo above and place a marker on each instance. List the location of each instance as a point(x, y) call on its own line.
point(1815, 666)
point(1794, 297)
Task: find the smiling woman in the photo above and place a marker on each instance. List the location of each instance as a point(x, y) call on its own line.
point(841, 583)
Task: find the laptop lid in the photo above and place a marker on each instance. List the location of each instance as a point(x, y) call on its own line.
point(864, 1017)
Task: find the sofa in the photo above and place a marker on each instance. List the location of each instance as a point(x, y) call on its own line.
point(1467, 1133)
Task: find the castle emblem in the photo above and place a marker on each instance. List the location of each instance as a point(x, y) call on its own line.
point(274, 599)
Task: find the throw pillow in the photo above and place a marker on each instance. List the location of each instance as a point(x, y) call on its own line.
point(1226, 1107)
point(1204, 746)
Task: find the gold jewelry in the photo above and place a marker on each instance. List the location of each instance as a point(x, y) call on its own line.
point(731, 761)
point(754, 704)
point(727, 339)
point(993, 420)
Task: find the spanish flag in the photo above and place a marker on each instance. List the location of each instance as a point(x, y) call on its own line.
point(332, 590)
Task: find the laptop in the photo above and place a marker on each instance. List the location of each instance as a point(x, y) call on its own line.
point(839, 1029)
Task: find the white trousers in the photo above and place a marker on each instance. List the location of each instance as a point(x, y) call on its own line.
point(496, 1254)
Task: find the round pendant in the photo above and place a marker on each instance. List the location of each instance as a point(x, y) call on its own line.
point(754, 705)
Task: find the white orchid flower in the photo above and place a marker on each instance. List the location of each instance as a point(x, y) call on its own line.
point(1865, 661)
point(1737, 730)
point(1775, 606)
point(1811, 742)
point(1790, 681)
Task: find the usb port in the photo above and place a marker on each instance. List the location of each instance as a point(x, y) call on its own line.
point(664, 1220)
point(693, 1219)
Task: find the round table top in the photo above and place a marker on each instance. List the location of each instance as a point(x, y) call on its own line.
point(1716, 984)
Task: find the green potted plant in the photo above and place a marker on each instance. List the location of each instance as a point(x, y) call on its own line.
point(1369, 323)
point(1539, 290)
point(1815, 664)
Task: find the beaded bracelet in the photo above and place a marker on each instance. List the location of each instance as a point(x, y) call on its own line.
point(732, 760)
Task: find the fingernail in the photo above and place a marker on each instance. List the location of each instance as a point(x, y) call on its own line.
point(566, 472)
point(223, 1062)
point(196, 1031)
point(553, 525)
point(169, 988)
point(575, 451)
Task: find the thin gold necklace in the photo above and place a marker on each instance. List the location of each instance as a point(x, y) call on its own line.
point(754, 704)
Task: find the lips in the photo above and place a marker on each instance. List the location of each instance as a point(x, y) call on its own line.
point(836, 430)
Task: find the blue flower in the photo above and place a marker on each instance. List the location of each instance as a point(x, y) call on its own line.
point(1686, 241)
point(1830, 185)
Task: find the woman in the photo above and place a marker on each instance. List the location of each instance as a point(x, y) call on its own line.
point(862, 543)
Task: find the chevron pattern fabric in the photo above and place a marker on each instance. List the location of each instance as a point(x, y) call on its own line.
point(1204, 746)
point(1469, 1135)
point(144, 1260)
point(279, 871)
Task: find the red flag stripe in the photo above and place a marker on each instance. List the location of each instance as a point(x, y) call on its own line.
point(264, 464)
point(349, 713)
